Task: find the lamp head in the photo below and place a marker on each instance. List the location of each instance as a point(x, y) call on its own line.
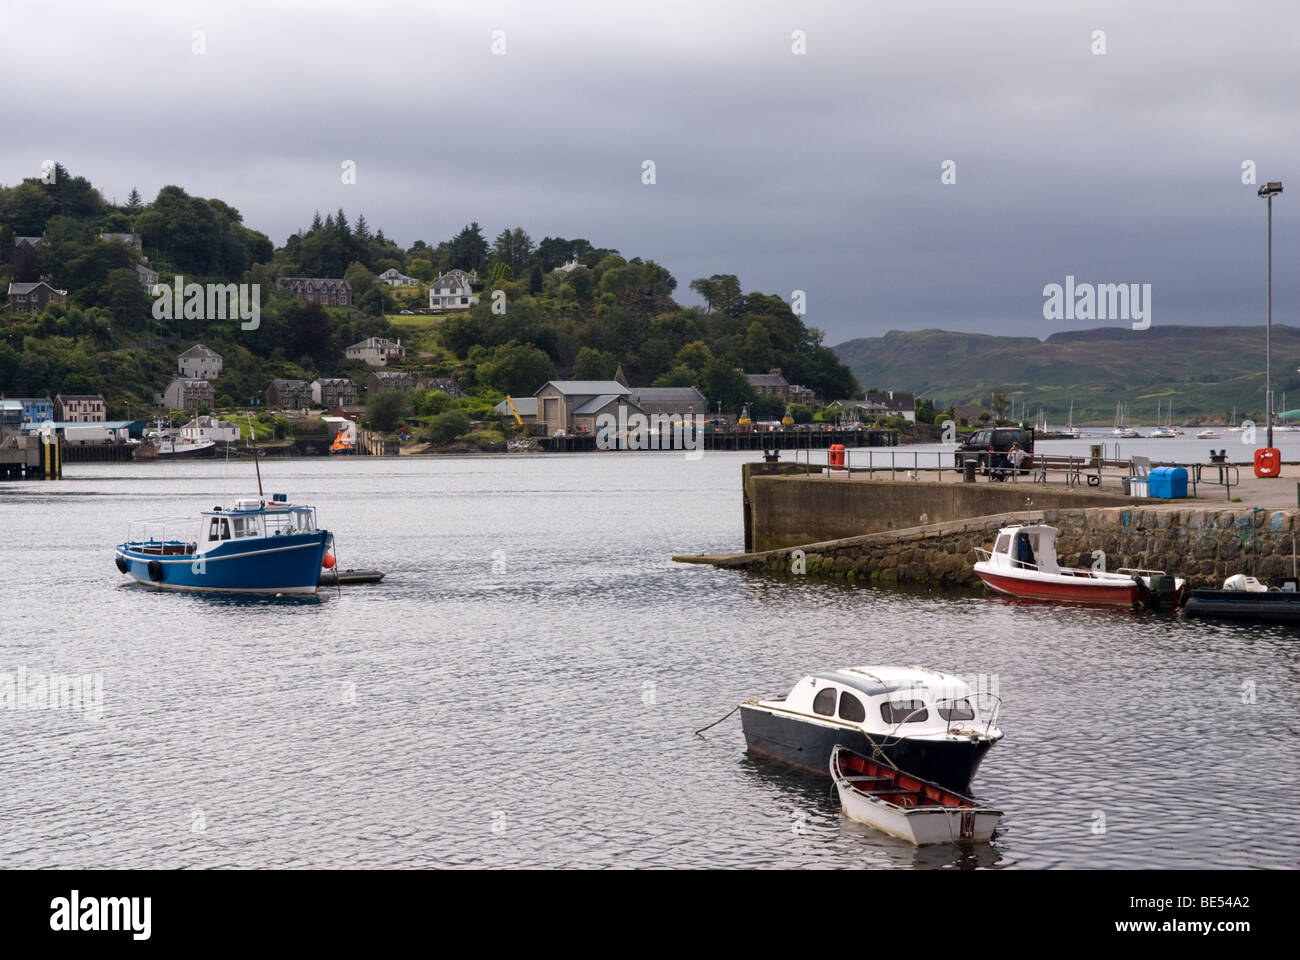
point(1270, 188)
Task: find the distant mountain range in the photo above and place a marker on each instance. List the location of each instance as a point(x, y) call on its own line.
point(1203, 371)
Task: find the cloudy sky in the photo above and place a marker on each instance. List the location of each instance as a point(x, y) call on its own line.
point(818, 171)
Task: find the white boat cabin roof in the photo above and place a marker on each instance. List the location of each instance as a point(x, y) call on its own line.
point(277, 504)
point(874, 681)
point(1029, 544)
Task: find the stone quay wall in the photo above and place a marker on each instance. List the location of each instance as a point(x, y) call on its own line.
point(1202, 544)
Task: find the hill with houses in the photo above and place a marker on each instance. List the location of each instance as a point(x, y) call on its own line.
point(466, 319)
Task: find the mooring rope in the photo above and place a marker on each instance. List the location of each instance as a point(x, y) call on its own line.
point(716, 722)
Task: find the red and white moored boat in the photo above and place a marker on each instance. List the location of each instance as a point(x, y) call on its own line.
point(1023, 563)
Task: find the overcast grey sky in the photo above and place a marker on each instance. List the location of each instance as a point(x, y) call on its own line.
point(818, 172)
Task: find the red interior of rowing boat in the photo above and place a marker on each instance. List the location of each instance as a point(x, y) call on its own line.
point(895, 786)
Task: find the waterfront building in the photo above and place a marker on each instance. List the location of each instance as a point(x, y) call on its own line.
point(571, 405)
point(210, 428)
point(527, 407)
point(674, 402)
point(81, 408)
point(36, 410)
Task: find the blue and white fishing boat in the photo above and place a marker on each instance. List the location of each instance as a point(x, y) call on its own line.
point(254, 547)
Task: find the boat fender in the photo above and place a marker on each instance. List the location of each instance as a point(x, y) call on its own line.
point(122, 566)
point(155, 571)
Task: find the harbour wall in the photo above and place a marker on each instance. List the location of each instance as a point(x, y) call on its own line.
point(787, 510)
point(1205, 545)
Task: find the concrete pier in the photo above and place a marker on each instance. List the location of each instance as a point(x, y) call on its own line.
point(30, 457)
point(802, 521)
point(1203, 544)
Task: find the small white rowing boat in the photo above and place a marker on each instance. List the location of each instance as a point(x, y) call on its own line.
point(903, 806)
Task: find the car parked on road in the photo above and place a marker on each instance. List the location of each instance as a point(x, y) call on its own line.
point(989, 446)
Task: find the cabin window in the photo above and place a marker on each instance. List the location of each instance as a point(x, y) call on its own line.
point(851, 708)
point(904, 711)
point(824, 702)
point(1003, 541)
point(214, 529)
point(957, 710)
point(225, 529)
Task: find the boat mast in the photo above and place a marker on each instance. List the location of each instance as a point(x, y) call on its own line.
point(252, 437)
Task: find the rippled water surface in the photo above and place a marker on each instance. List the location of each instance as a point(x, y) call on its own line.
point(522, 689)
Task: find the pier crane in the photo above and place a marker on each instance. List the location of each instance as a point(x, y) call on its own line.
point(518, 419)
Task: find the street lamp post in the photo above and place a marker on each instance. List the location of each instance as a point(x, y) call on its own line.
point(1269, 190)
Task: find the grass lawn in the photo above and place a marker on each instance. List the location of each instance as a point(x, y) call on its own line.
point(418, 321)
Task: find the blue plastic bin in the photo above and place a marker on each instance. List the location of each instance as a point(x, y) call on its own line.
point(1167, 483)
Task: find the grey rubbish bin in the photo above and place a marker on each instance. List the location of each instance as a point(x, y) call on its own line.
point(968, 471)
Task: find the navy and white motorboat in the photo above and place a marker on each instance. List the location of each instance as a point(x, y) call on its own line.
point(922, 721)
point(256, 547)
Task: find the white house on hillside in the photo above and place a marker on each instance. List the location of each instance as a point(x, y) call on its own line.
point(210, 428)
point(395, 279)
point(376, 351)
point(199, 361)
point(452, 291)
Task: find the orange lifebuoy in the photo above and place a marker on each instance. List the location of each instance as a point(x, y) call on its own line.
point(1268, 462)
point(837, 456)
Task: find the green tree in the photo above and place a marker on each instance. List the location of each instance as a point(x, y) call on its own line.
point(535, 280)
point(469, 248)
point(447, 426)
point(594, 365)
point(516, 368)
point(126, 298)
point(360, 278)
point(513, 248)
point(722, 383)
point(386, 410)
point(133, 202)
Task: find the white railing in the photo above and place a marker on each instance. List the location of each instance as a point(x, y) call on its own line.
point(163, 530)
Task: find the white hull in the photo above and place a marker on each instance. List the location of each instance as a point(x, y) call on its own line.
point(921, 825)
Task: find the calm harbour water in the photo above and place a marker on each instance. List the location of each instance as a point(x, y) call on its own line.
point(521, 689)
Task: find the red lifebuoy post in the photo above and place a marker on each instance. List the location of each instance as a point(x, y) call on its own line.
point(837, 456)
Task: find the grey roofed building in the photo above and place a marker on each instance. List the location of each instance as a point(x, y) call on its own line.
point(288, 394)
point(199, 361)
point(895, 401)
point(596, 404)
point(670, 400)
point(585, 387)
point(30, 241)
point(200, 350)
point(33, 297)
point(559, 400)
point(148, 278)
point(130, 239)
point(527, 407)
point(385, 380)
